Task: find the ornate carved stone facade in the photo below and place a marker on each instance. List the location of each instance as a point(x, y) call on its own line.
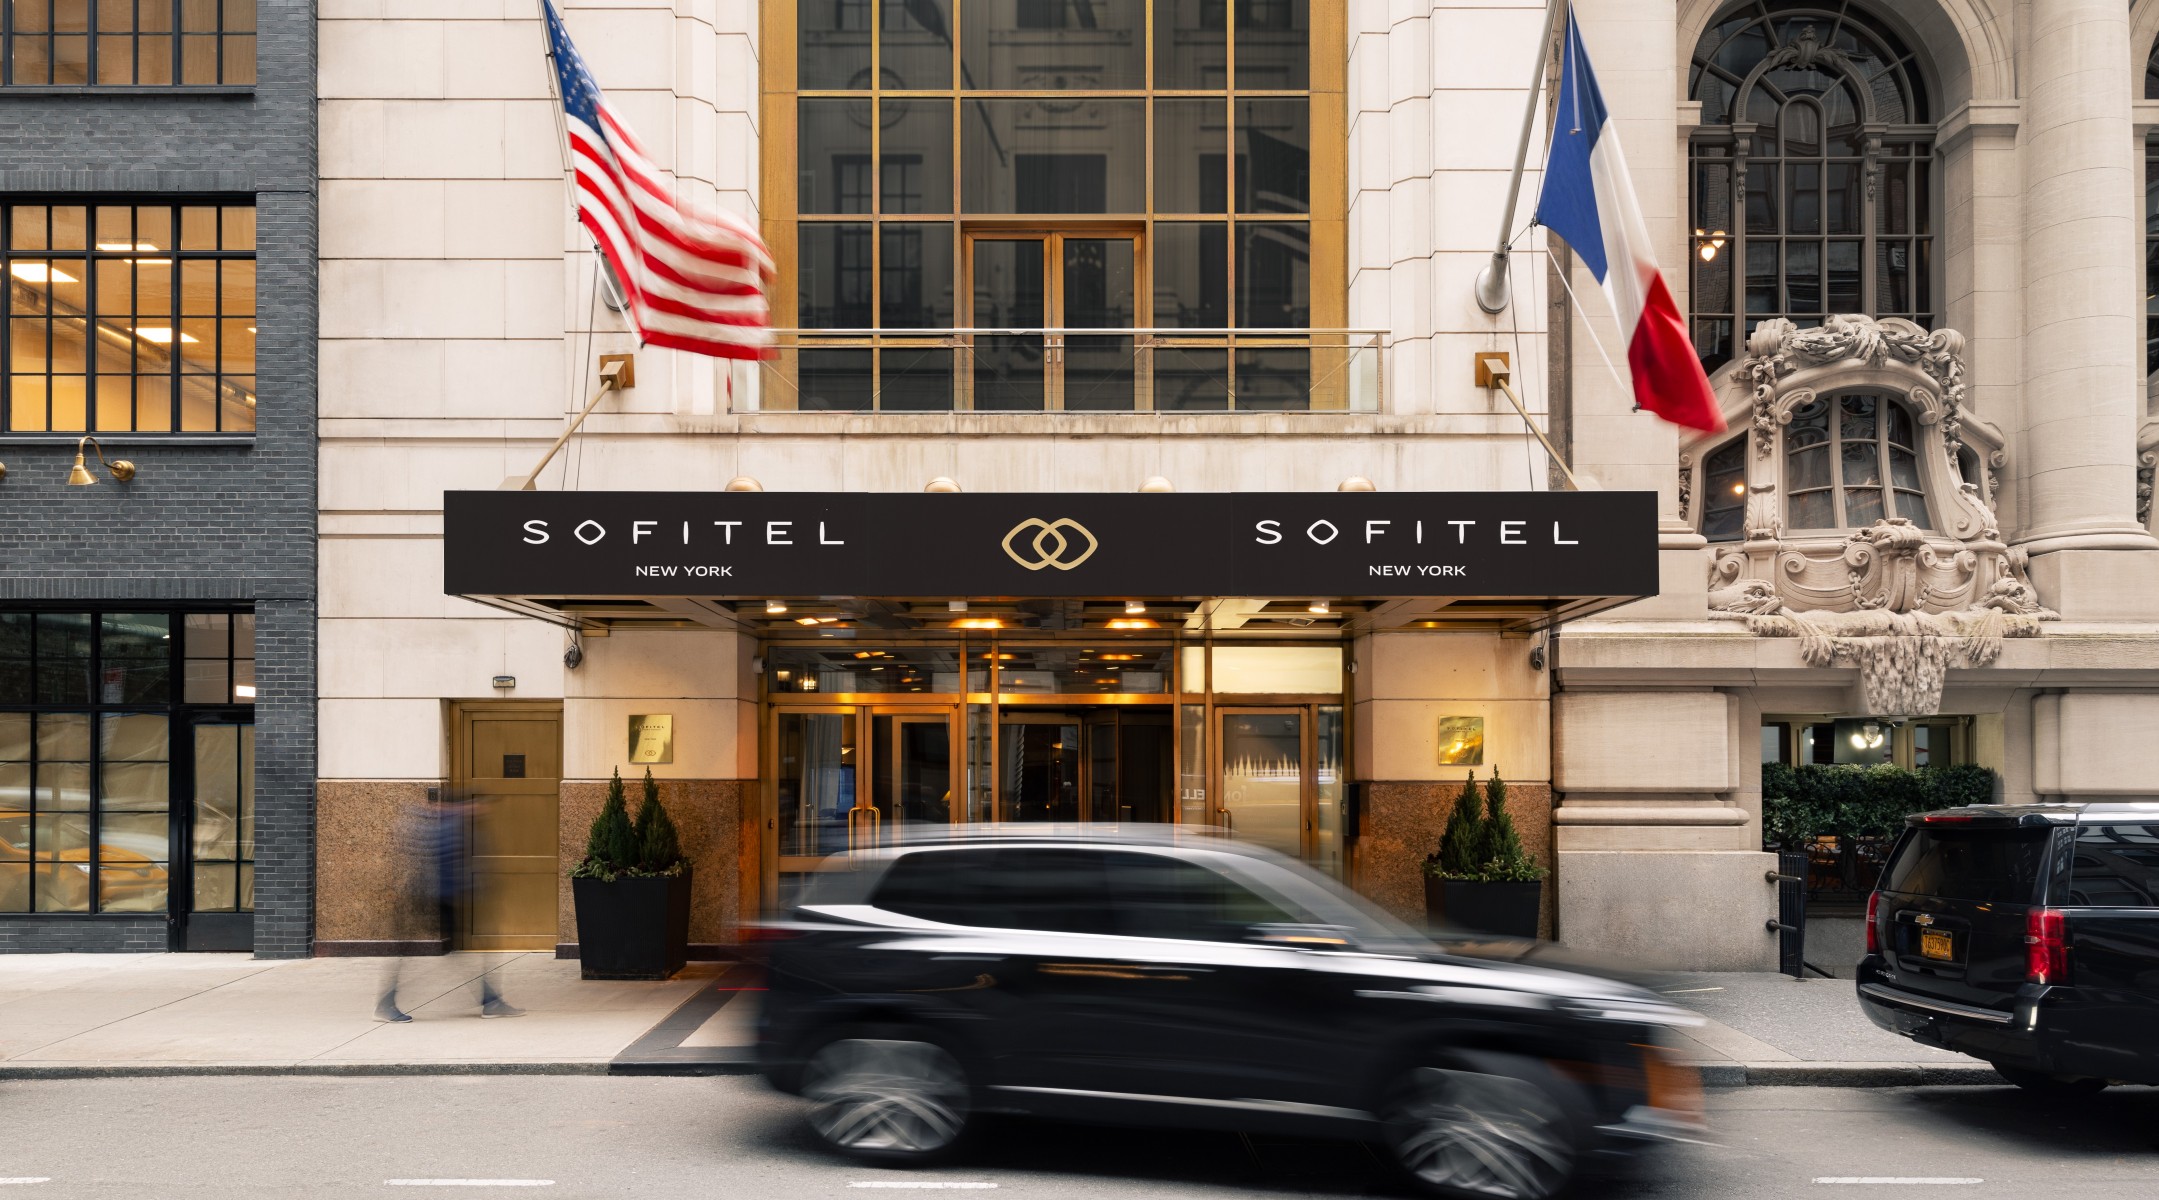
point(1902, 600)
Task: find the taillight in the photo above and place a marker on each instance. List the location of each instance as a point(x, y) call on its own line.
point(1874, 931)
point(2046, 946)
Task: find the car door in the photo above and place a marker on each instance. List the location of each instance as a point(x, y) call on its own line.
point(1141, 982)
point(2113, 919)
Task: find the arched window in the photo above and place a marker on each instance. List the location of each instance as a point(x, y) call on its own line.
point(2151, 229)
point(1724, 492)
point(1812, 172)
point(1850, 461)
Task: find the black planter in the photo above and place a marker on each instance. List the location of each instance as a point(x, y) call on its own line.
point(1509, 909)
point(632, 928)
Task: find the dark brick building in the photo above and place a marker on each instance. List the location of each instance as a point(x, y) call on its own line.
point(157, 635)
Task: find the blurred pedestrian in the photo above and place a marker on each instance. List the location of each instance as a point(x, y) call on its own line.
point(431, 852)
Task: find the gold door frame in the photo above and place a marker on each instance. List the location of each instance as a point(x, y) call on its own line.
point(1307, 715)
point(461, 717)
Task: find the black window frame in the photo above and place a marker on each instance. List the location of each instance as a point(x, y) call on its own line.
point(227, 33)
point(181, 717)
point(90, 255)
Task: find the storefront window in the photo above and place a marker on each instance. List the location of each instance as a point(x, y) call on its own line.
point(1068, 670)
point(129, 318)
point(836, 670)
point(1267, 670)
point(89, 798)
point(129, 43)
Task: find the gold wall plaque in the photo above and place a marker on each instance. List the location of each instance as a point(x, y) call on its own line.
point(1461, 741)
point(652, 738)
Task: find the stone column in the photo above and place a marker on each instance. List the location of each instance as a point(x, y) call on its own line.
point(2076, 458)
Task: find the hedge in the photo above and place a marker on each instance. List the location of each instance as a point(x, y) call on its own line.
point(1804, 802)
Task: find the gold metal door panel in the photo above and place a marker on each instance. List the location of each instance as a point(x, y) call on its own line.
point(510, 774)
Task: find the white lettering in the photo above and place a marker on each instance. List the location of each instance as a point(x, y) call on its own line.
point(1461, 531)
point(1270, 533)
point(1373, 529)
point(727, 530)
point(535, 533)
point(685, 533)
point(1510, 533)
point(1560, 541)
point(1420, 533)
point(823, 540)
point(638, 529)
point(598, 531)
point(774, 531)
point(663, 572)
point(1312, 531)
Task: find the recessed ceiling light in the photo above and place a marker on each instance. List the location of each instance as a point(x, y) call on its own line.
point(978, 623)
point(1317, 606)
point(161, 334)
point(36, 272)
point(124, 247)
point(773, 608)
point(1130, 623)
point(1133, 608)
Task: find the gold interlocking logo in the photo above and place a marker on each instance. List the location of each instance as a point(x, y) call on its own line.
point(1050, 544)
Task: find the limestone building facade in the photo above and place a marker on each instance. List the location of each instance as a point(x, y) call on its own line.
point(1085, 249)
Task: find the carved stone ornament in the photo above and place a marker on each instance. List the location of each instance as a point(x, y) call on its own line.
point(1904, 658)
point(1901, 600)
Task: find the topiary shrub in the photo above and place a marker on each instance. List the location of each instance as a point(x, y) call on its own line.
point(1461, 844)
point(611, 849)
point(1504, 859)
point(659, 850)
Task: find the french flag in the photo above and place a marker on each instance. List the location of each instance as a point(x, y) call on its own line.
point(1589, 200)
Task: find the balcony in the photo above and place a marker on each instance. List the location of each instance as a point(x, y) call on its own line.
point(1074, 370)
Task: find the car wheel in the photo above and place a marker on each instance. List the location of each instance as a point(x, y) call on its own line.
point(2042, 1084)
point(1487, 1125)
point(890, 1099)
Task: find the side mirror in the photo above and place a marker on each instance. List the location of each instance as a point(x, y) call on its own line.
point(1301, 937)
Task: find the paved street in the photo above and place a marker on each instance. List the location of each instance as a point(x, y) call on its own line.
point(666, 1137)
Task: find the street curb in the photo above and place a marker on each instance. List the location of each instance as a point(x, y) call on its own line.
point(1846, 1074)
point(155, 1070)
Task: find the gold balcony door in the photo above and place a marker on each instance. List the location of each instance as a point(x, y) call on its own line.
point(509, 773)
point(1062, 281)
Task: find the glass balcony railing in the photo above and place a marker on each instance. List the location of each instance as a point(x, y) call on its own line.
point(1073, 370)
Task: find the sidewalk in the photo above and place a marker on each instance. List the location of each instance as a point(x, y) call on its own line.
point(142, 1014)
point(1772, 1029)
point(135, 1014)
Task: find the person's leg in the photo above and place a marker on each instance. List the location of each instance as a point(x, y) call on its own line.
point(386, 1008)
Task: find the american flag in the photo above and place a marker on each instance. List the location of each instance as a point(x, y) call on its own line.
point(694, 280)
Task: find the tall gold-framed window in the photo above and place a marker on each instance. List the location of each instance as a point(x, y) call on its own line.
point(962, 193)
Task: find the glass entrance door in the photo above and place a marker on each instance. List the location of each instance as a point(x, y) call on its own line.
point(221, 835)
point(1109, 764)
point(1025, 281)
point(837, 789)
point(1263, 757)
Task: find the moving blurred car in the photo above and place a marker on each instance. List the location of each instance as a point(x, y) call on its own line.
point(1154, 979)
point(2026, 935)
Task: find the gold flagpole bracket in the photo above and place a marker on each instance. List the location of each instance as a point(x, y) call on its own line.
point(618, 372)
point(1493, 371)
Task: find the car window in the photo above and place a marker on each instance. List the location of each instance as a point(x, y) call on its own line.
point(1990, 865)
point(1158, 896)
point(1054, 888)
point(2116, 866)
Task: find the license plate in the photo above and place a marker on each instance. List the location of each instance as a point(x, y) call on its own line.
point(1934, 944)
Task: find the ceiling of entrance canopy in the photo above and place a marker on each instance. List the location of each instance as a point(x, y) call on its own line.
point(847, 617)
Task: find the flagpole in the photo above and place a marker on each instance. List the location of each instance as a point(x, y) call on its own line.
point(1492, 288)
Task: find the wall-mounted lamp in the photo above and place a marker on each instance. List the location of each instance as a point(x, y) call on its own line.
point(943, 483)
point(1155, 483)
point(80, 476)
point(1867, 737)
point(1355, 483)
point(743, 483)
point(1707, 243)
point(3, 472)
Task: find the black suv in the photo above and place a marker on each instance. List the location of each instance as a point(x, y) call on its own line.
point(2026, 935)
point(1148, 978)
